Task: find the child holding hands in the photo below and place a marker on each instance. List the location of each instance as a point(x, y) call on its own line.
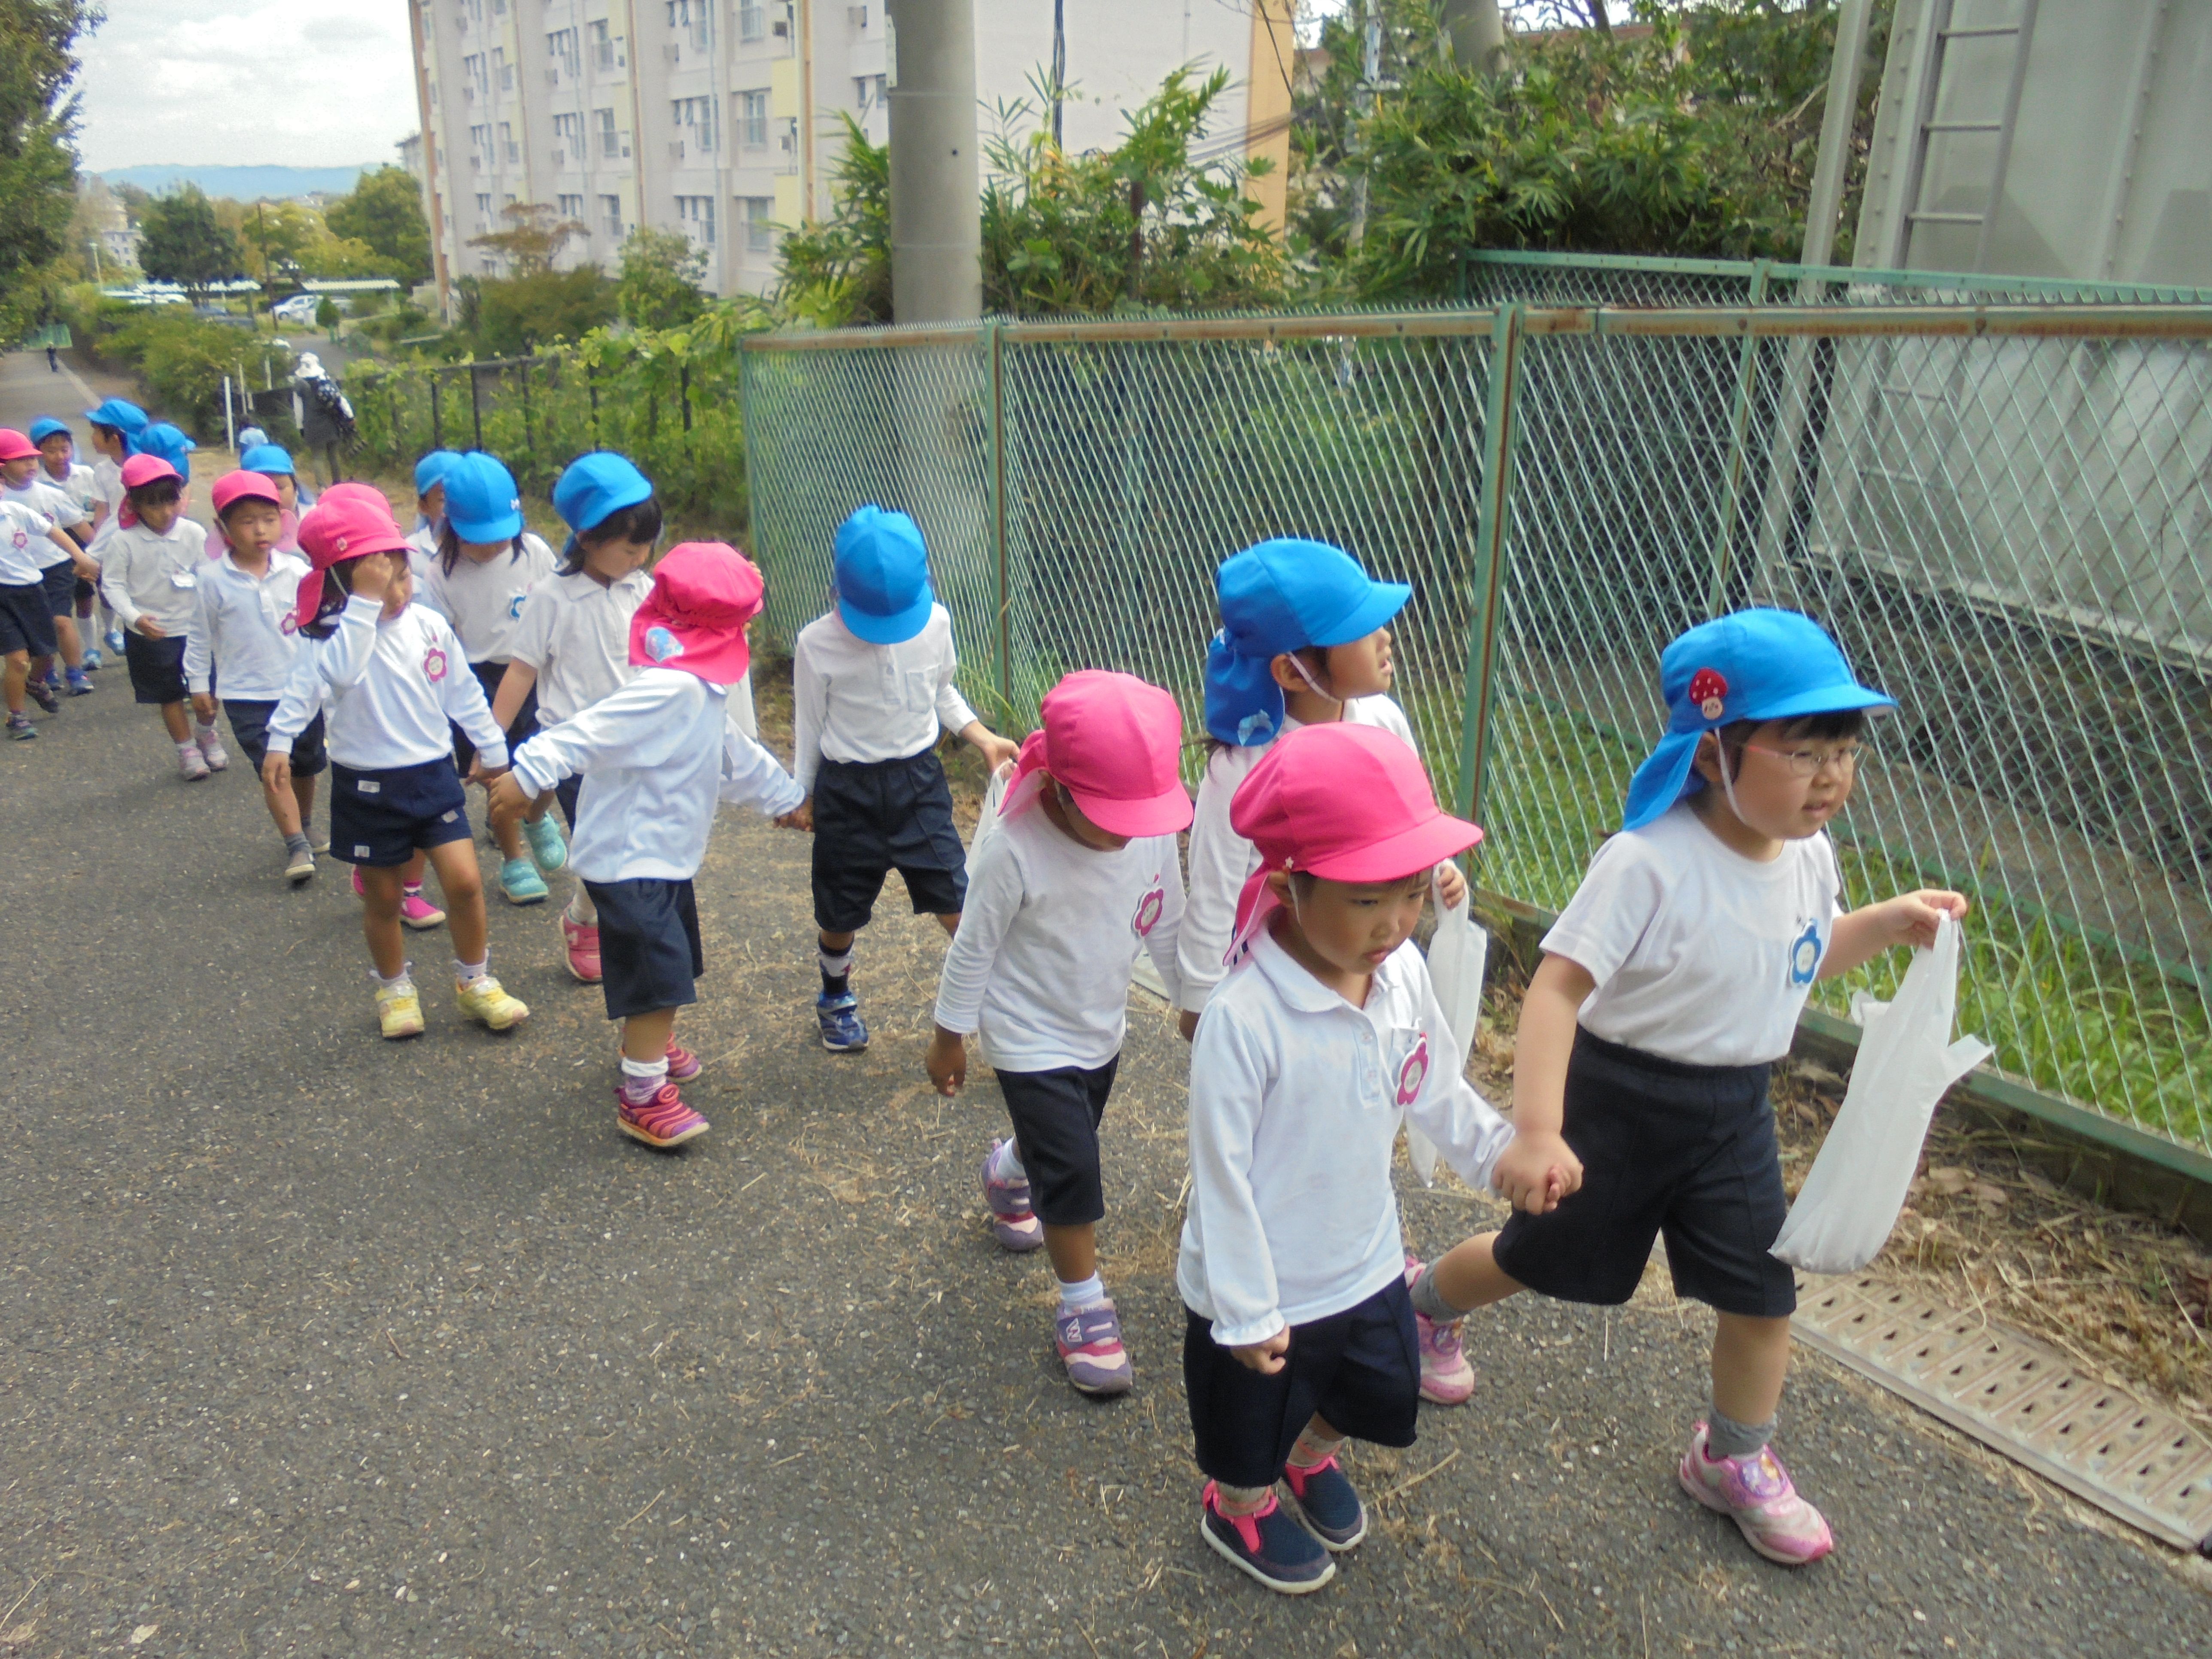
point(1669, 986)
point(1082, 875)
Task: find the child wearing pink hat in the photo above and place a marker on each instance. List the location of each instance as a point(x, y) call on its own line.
point(656, 755)
point(1324, 1036)
point(25, 629)
point(149, 573)
point(1059, 903)
point(243, 629)
point(392, 680)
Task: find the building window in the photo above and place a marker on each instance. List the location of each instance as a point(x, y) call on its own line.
point(472, 68)
point(698, 115)
point(561, 48)
point(483, 206)
point(760, 227)
point(603, 48)
point(610, 140)
point(572, 207)
point(503, 69)
point(507, 141)
point(752, 119)
point(611, 216)
point(480, 138)
point(867, 93)
point(696, 215)
point(568, 136)
point(752, 20)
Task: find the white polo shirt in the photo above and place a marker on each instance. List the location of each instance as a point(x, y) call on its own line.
point(244, 625)
point(575, 634)
point(22, 529)
point(854, 702)
point(145, 575)
point(485, 601)
point(44, 496)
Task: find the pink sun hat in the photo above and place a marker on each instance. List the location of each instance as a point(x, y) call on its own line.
point(1116, 743)
point(241, 486)
point(14, 447)
point(1345, 803)
point(336, 532)
point(703, 594)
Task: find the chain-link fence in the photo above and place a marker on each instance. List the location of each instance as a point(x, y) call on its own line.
point(2001, 511)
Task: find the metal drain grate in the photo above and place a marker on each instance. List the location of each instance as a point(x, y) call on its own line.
point(2143, 1465)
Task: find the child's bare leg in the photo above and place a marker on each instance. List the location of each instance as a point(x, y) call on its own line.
point(950, 923)
point(16, 676)
point(1468, 1276)
point(508, 832)
point(1751, 1356)
point(303, 799)
point(72, 647)
point(1073, 1250)
point(462, 883)
point(284, 804)
point(180, 730)
point(645, 1037)
point(379, 920)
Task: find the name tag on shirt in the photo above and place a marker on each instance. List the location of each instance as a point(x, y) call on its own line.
point(185, 579)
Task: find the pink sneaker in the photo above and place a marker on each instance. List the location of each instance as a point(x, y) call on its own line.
point(1013, 1224)
point(582, 945)
point(418, 912)
point(1090, 1344)
point(1447, 1379)
point(1756, 1493)
point(683, 1064)
point(662, 1122)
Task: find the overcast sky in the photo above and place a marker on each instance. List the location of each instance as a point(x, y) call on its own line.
point(302, 83)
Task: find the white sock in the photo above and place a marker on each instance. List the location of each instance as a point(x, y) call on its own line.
point(469, 972)
point(205, 736)
point(582, 910)
point(406, 972)
point(188, 748)
point(1074, 1298)
point(641, 1079)
point(1007, 1163)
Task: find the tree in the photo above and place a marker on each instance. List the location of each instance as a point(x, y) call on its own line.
point(278, 233)
point(533, 240)
point(660, 275)
point(183, 242)
point(518, 314)
point(384, 211)
point(37, 164)
point(838, 269)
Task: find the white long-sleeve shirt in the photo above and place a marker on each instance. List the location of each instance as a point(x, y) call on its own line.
point(389, 688)
point(145, 575)
point(1222, 862)
point(42, 495)
point(485, 601)
point(1041, 965)
point(852, 700)
point(574, 635)
point(22, 530)
point(656, 757)
point(1296, 1097)
point(241, 623)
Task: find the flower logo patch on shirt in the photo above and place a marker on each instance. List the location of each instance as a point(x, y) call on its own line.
point(23, 538)
point(1148, 913)
point(1805, 956)
point(662, 646)
point(434, 664)
point(1414, 1073)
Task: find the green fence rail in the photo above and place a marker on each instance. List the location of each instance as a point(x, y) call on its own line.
point(2000, 509)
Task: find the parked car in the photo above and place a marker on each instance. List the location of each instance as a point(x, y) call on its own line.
point(300, 308)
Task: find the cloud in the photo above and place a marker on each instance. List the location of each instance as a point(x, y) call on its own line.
point(201, 82)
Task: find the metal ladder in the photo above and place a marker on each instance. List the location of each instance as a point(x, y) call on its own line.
point(1924, 123)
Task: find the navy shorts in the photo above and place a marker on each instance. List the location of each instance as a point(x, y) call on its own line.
point(1360, 1369)
point(1686, 1150)
point(60, 581)
point(649, 953)
point(25, 622)
point(1056, 1115)
point(489, 675)
point(381, 818)
point(157, 667)
point(565, 792)
point(873, 817)
point(249, 724)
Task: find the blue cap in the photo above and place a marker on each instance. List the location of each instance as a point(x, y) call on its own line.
point(883, 576)
point(482, 503)
point(250, 437)
point(44, 428)
point(120, 413)
point(593, 486)
point(1283, 595)
point(165, 442)
point(1748, 665)
point(267, 458)
point(430, 471)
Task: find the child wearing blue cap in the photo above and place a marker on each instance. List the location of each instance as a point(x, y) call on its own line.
point(429, 509)
point(113, 425)
point(486, 565)
point(1669, 986)
point(274, 463)
point(572, 647)
point(871, 681)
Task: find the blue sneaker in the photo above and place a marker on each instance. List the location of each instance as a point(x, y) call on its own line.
point(92, 659)
point(1269, 1545)
point(115, 643)
point(20, 729)
point(519, 883)
point(547, 849)
point(840, 1018)
point(1325, 1501)
point(78, 686)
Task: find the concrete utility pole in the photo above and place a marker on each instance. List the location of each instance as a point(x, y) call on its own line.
point(1476, 30)
point(1370, 72)
point(937, 217)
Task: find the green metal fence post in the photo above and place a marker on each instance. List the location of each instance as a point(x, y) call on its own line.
point(1746, 380)
point(996, 342)
point(1490, 548)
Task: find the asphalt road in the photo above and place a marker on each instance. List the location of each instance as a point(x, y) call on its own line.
point(311, 1344)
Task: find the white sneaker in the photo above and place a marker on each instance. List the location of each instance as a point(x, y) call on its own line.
point(192, 763)
point(212, 751)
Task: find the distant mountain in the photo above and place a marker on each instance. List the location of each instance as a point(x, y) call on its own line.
point(241, 184)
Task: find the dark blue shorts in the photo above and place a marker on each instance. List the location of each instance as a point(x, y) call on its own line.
point(874, 818)
point(566, 792)
point(489, 675)
point(649, 951)
point(1686, 1151)
point(25, 622)
point(249, 724)
point(157, 667)
point(381, 818)
point(60, 581)
point(1055, 1116)
point(1360, 1369)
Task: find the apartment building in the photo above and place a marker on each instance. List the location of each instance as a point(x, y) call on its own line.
point(720, 119)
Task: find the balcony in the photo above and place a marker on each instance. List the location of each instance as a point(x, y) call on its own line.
point(514, 154)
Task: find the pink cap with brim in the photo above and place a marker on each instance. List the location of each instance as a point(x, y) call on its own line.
point(142, 470)
point(694, 618)
point(14, 447)
point(1342, 802)
point(243, 486)
point(354, 525)
point(1116, 744)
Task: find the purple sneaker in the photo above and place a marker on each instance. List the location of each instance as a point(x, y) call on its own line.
point(1013, 1224)
point(1757, 1493)
point(1090, 1344)
point(1446, 1377)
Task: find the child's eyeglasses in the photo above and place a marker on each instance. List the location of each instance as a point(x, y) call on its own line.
point(1811, 762)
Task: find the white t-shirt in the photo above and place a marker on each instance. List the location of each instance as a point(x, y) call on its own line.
point(22, 533)
point(1222, 862)
point(485, 601)
point(1041, 965)
point(1700, 955)
point(79, 486)
point(574, 635)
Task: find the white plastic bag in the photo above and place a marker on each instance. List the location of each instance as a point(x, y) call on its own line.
point(987, 818)
point(1458, 953)
point(1906, 1060)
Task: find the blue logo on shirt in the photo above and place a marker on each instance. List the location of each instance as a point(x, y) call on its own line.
point(514, 606)
point(1805, 956)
